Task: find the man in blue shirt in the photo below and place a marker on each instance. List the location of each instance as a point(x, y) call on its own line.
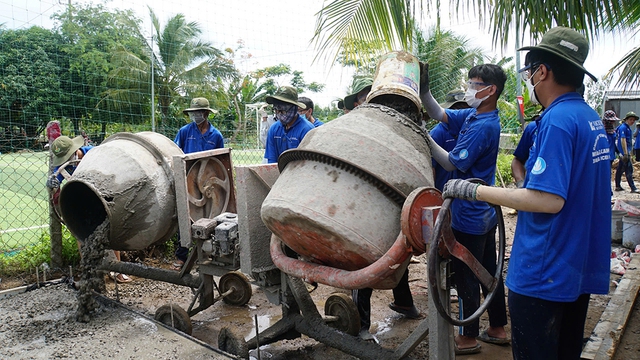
point(473, 223)
point(290, 129)
point(441, 135)
point(623, 133)
point(308, 112)
point(560, 251)
point(521, 153)
point(198, 135)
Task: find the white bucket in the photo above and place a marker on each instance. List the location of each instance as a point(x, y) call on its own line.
point(630, 231)
point(616, 225)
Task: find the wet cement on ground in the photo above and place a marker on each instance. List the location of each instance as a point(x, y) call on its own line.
point(92, 252)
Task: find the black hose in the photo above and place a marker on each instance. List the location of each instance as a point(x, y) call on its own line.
point(434, 262)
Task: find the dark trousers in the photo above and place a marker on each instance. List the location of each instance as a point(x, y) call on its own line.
point(362, 298)
point(627, 169)
point(637, 152)
point(547, 330)
point(483, 248)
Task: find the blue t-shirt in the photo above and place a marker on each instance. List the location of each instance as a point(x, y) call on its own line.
point(190, 139)
point(612, 144)
point(317, 123)
point(527, 142)
point(441, 135)
point(636, 143)
point(71, 169)
point(279, 140)
point(558, 257)
point(474, 156)
point(623, 131)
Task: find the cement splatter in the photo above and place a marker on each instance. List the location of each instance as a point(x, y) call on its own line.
point(92, 252)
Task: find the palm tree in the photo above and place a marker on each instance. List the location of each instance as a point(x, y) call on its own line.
point(342, 21)
point(182, 66)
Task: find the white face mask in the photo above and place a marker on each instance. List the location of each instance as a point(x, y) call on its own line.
point(470, 97)
point(531, 87)
point(197, 116)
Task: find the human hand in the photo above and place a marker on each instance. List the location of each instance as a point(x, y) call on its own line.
point(424, 78)
point(460, 189)
point(625, 158)
point(53, 182)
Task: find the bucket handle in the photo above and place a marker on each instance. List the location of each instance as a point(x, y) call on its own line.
point(366, 277)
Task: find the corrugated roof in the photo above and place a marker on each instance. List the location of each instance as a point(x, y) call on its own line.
point(622, 95)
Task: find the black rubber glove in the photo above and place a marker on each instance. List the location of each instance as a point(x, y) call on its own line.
point(52, 182)
point(424, 78)
point(460, 189)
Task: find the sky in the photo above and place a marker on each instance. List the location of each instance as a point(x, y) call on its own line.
point(280, 31)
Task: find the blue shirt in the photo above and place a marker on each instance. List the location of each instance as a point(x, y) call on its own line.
point(190, 139)
point(71, 169)
point(624, 131)
point(558, 257)
point(636, 144)
point(474, 156)
point(279, 140)
point(527, 142)
point(441, 135)
point(317, 123)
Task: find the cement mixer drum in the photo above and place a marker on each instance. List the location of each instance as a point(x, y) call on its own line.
point(339, 196)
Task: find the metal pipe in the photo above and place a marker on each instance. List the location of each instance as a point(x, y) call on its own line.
point(152, 273)
point(365, 277)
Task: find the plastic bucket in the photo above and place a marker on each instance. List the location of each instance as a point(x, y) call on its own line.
point(398, 73)
point(616, 225)
point(630, 231)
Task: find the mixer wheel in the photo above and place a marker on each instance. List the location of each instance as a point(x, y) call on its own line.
point(175, 316)
point(232, 343)
point(241, 288)
point(341, 306)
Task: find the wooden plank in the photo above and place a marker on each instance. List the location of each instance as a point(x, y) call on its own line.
point(11, 292)
point(607, 333)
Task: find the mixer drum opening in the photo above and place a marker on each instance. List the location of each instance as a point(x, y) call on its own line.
point(82, 209)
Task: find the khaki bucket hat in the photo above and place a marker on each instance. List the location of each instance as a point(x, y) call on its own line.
point(63, 147)
point(198, 104)
point(286, 94)
point(567, 44)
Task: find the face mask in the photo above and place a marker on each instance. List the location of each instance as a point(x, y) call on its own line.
point(287, 117)
point(470, 97)
point(532, 89)
point(197, 116)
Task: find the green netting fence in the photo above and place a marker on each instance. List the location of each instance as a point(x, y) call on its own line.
point(99, 69)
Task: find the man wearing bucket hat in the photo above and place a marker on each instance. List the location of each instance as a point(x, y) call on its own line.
point(65, 149)
point(361, 88)
point(290, 129)
point(199, 134)
point(474, 224)
point(623, 144)
point(636, 136)
point(559, 257)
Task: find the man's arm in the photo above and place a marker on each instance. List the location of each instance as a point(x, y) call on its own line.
point(521, 199)
point(518, 171)
point(440, 155)
point(430, 104)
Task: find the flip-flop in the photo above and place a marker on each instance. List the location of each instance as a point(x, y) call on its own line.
point(485, 337)
point(123, 279)
point(467, 351)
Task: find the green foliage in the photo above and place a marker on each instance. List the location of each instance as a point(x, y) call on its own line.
point(35, 255)
point(594, 93)
point(503, 172)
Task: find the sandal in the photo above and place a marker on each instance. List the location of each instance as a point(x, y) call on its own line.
point(466, 351)
point(485, 337)
point(123, 279)
point(177, 265)
point(408, 312)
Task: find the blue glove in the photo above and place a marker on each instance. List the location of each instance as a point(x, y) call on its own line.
point(460, 189)
point(52, 182)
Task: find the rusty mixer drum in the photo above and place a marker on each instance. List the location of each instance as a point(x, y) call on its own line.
point(339, 196)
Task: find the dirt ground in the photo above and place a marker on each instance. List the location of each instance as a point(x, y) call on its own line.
point(29, 330)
